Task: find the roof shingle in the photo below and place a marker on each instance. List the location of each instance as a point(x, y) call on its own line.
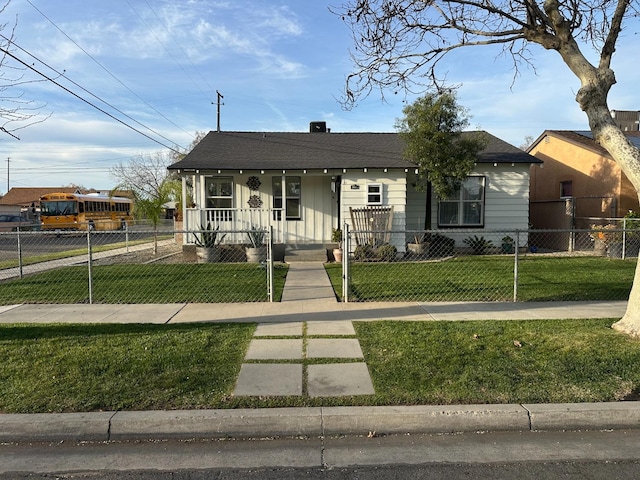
point(277, 151)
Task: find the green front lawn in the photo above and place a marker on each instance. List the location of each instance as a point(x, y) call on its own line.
point(152, 283)
point(542, 361)
point(489, 278)
point(75, 368)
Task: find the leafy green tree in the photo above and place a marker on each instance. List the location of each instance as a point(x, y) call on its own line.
point(432, 128)
point(403, 44)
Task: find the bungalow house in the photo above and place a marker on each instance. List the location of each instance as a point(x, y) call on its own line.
point(579, 183)
point(304, 185)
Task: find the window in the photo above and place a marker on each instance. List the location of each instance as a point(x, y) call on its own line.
point(219, 192)
point(374, 194)
point(566, 189)
point(466, 207)
point(290, 201)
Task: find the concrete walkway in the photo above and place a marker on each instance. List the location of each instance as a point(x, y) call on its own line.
point(308, 281)
point(296, 342)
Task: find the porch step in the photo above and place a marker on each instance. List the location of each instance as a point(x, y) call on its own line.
point(305, 253)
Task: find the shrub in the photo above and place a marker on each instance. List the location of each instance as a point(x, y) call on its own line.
point(441, 246)
point(363, 252)
point(387, 252)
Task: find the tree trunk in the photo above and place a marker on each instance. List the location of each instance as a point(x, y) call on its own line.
point(609, 136)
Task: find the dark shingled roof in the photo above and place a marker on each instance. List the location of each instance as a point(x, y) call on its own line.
point(278, 151)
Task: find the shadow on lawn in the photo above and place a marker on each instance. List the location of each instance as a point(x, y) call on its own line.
point(52, 331)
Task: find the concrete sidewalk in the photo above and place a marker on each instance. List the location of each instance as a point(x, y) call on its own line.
point(307, 310)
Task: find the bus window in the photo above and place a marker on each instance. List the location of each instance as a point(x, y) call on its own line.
point(58, 208)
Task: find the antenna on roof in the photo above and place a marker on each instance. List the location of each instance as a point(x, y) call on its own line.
point(218, 103)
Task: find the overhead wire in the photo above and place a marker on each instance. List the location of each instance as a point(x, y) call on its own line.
point(62, 74)
point(48, 78)
point(105, 68)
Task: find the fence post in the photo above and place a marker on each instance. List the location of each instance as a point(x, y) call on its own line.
point(20, 255)
point(346, 247)
point(624, 238)
point(89, 265)
point(270, 264)
point(515, 266)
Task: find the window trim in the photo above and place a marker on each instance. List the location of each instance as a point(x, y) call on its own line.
point(378, 193)
point(563, 183)
point(220, 214)
point(284, 199)
point(461, 202)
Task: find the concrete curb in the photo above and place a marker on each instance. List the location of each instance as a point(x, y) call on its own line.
point(315, 421)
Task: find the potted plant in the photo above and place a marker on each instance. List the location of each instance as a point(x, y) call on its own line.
point(336, 237)
point(420, 245)
point(608, 238)
point(508, 244)
point(207, 241)
point(257, 250)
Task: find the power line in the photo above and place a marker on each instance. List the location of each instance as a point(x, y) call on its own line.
point(62, 74)
point(30, 67)
point(104, 68)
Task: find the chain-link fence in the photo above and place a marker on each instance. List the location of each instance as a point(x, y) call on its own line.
point(137, 266)
point(490, 265)
point(143, 265)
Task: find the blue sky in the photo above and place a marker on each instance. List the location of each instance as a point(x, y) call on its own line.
point(279, 65)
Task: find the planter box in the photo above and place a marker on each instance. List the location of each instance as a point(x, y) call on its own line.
point(208, 254)
point(420, 249)
point(256, 254)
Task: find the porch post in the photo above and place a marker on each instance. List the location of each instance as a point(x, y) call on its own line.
point(270, 263)
point(346, 247)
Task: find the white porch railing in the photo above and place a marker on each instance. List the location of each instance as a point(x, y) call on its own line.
point(236, 219)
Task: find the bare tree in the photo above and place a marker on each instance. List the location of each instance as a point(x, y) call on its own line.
point(16, 112)
point(400, 45)
point(147, 177)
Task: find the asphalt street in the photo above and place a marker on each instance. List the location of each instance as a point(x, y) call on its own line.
point(592, 455)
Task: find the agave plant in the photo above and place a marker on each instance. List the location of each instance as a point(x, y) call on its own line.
point(478, 244)
point(208, 237)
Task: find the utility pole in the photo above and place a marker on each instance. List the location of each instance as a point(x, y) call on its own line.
point(218, 103)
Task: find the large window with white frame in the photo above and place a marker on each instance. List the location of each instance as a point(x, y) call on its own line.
point(288, 199)
point(465, 208)
point(219, 195)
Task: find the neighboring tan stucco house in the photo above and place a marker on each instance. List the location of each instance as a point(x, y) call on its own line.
point(580, 171)
point(304, 184)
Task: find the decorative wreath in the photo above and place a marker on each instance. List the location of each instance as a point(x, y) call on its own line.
point(253, 183)
point(255, 201)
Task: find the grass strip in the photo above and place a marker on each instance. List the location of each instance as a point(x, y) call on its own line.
point(30, 259)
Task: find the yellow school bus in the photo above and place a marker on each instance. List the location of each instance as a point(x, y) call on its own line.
point(70, 211)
